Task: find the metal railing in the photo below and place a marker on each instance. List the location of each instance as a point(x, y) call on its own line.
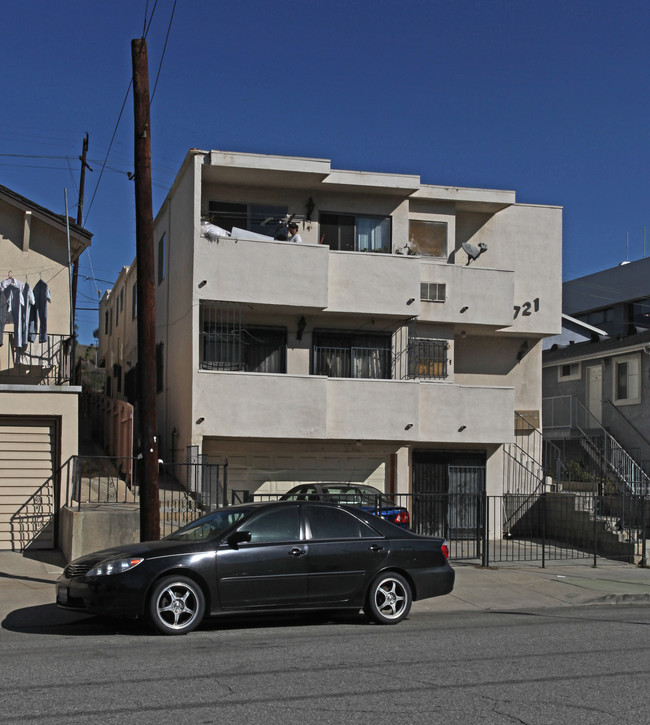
point(353, 362)
point(567, 417)
point(33, 523)
point(38, 363)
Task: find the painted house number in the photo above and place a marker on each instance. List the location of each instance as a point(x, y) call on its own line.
point(525, 309)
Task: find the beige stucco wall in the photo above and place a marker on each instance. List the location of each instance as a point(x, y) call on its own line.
point(483, 360)
point(46, 258)
point(528, 240)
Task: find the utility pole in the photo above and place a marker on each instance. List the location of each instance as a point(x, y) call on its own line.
point(80, 211)
point(146, 291)
point(75, 264)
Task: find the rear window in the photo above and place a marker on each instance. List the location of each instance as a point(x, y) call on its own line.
point(333, 523)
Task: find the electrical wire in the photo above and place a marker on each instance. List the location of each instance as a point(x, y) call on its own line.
point(119, 118)
point(169, 27)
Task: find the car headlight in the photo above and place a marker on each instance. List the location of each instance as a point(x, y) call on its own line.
point(114, 566)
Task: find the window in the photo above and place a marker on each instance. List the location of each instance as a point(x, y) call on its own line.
point(640, 313)
point(250, 349)
point(273, 525)
point(350, 233)
point(259, 218)
point(627, 380)
point(304, 493)
point(433, 291)
point(352, 355)
point(106, 322)
point(569, 371)
point(332, 523)
point(427, 358)
point(428, 238)
point(161, 259)
point(117, 311)
point(134, 301)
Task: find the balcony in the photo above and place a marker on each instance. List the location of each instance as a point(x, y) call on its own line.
point(474, 295)
point(37, 363)
point(280, 274)
point(240, 404)
point(374, 284)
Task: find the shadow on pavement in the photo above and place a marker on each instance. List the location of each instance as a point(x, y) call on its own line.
point(48, 619)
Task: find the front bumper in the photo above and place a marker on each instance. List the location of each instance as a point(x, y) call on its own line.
point(110, 595)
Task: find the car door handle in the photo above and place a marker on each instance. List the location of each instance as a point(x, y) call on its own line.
point(297, 552)
point(374, 547)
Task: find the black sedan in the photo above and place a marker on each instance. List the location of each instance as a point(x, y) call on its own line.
point(366, 497)
point(269, 557)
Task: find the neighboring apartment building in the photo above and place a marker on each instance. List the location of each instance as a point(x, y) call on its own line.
point(393, 345)
point(38, 406)
point(606, 377)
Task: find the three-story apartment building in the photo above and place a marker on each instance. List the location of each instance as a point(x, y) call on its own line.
point(393, 345)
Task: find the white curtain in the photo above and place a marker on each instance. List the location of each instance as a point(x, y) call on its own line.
point(373, 234)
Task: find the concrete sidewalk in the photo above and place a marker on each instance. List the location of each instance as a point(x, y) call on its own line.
point(28, 581)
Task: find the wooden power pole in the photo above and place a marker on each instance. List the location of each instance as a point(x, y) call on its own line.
point(80, 212)
point(146, 292)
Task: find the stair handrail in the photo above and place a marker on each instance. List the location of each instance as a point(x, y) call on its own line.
point(625, 419)
point(628, 471)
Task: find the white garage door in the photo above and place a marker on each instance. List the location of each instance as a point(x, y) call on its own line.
point(27, 449)
point(265, 468)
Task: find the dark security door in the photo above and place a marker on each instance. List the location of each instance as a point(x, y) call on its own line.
point(344, 553)
point(270, 570)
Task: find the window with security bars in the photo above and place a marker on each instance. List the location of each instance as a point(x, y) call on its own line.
point(227, 344)
point(433, 291)
point(427, 359)
point(350, 355)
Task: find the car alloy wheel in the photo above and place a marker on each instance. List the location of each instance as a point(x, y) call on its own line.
point(389, 599)
point(176, 605)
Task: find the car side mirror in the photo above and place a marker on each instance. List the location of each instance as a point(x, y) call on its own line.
point(239, 537)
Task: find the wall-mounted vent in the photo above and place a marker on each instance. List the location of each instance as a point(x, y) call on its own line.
point(433, 291)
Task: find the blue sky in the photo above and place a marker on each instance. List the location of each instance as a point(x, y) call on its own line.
point(548, 98)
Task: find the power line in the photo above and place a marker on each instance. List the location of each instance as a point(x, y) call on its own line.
point(119, 118)
point(169, 27)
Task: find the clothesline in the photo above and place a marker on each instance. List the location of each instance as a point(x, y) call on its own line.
point(26, 271)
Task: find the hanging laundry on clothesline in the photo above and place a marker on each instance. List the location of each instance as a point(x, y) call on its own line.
point(39, 312)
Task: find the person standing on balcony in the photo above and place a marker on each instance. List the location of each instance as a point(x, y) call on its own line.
point(293, 234)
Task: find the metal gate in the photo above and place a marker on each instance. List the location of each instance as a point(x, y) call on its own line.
point(448, 501)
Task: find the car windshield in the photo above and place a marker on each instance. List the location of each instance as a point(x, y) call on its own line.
point(210, 527)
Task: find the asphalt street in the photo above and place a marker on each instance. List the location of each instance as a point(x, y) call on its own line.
point(584, 664)
point(516, 643)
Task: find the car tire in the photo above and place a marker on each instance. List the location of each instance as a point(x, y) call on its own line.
point(389, 599)
point(176, 605)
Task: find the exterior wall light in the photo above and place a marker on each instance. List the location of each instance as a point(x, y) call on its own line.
point(202, 283)
point(408, 426)
point(410, 301)
point(462, 428)
point(199, 421)
point(463, 309)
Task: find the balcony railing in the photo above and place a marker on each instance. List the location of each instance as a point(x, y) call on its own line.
point(37, 363)
point(353, 362)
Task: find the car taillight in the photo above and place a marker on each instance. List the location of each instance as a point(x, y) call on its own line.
point(403, 518)
point(445, 549)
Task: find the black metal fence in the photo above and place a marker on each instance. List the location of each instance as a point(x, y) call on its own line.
point(541, 527)
point(186, 490)
point(537, 527)
point(516, 527)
